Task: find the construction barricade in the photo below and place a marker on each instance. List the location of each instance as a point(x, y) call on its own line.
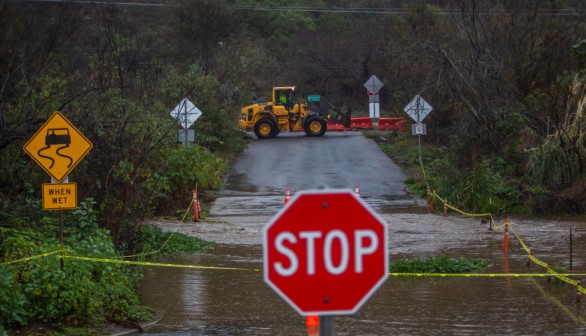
point(361, 123)
point(386, 124)
point(334, 126)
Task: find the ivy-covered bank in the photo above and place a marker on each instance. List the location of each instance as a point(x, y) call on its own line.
point(73, 296)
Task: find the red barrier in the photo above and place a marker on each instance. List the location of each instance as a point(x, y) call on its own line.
point(398, 124)
point(335, 127)
point(384, 124)
point(361, 123)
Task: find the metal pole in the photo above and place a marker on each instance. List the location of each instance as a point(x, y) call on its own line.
point(61, 235)
point(184, 106)
point(419, 146)
point(327, 326)
point(490, 219)
point(571, 252)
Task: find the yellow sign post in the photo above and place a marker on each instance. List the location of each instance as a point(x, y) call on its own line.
point(58, 196)
point(58, 146)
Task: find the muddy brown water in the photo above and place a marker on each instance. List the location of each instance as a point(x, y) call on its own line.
point(238, 302)
point(226, 302)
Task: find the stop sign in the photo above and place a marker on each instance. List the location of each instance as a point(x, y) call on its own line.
point(325, 253)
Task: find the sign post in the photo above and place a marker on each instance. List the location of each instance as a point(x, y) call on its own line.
point(58, 147)
point(373, 86)
point(325, 253)
point(418, 109)
point(186, 114)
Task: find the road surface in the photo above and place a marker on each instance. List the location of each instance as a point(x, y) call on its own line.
point(257, 182)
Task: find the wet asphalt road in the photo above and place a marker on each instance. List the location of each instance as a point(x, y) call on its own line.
point(336, 160)
point(257, 181)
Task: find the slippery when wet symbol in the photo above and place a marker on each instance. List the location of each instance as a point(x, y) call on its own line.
point(58, 146)
point(56, 136)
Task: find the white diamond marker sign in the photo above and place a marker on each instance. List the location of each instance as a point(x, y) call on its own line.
point(186, 113)
point(373, 85)
point(418, 108)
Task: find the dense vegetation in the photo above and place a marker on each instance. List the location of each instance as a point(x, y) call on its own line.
point(506, 80)
point(72, 292)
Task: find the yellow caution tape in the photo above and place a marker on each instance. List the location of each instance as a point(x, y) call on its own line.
point(550, 272)
point(146, 263)
point(31, 258)
point(527, 249)
point(423, 170)
point(562, 277)
point(168, 238)
point(488, 214)
point(539, 262)
point(481, 275)
point(498, 226)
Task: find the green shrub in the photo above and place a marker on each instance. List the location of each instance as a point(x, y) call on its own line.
point(82, 292)
point(12, 312)
point(437, 265)
point(182, 169)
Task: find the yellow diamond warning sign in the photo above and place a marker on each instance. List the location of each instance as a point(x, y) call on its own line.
point(57, 196)
point(58, 146)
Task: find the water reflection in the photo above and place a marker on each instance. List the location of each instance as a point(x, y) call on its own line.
point(220, 302)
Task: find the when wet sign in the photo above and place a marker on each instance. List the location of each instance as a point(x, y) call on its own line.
point(57, 196)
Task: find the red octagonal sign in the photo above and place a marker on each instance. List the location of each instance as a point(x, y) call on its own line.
point(325, 253)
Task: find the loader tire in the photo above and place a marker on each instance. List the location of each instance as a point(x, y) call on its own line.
point(265, 129)
point(315, 126)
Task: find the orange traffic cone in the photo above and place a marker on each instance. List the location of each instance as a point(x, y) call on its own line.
point(312, 320)
point(506, 238)
point(313, 330)
point(287, 196)
point(357, 191)
point(196, 209)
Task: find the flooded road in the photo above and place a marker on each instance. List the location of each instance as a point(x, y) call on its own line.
point(238, 302)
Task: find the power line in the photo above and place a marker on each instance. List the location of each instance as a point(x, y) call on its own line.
point(395, 10)
point(158, 3)
point(350, 10)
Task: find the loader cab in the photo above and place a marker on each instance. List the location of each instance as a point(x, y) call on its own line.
point(285, 96)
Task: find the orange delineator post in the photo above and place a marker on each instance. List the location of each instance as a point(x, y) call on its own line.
point(357, 191)
point(506, 239)
point(287, 196)
point(195, 206)
point(446, 208)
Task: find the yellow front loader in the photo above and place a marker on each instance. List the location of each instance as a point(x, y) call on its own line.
point(283, 113)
